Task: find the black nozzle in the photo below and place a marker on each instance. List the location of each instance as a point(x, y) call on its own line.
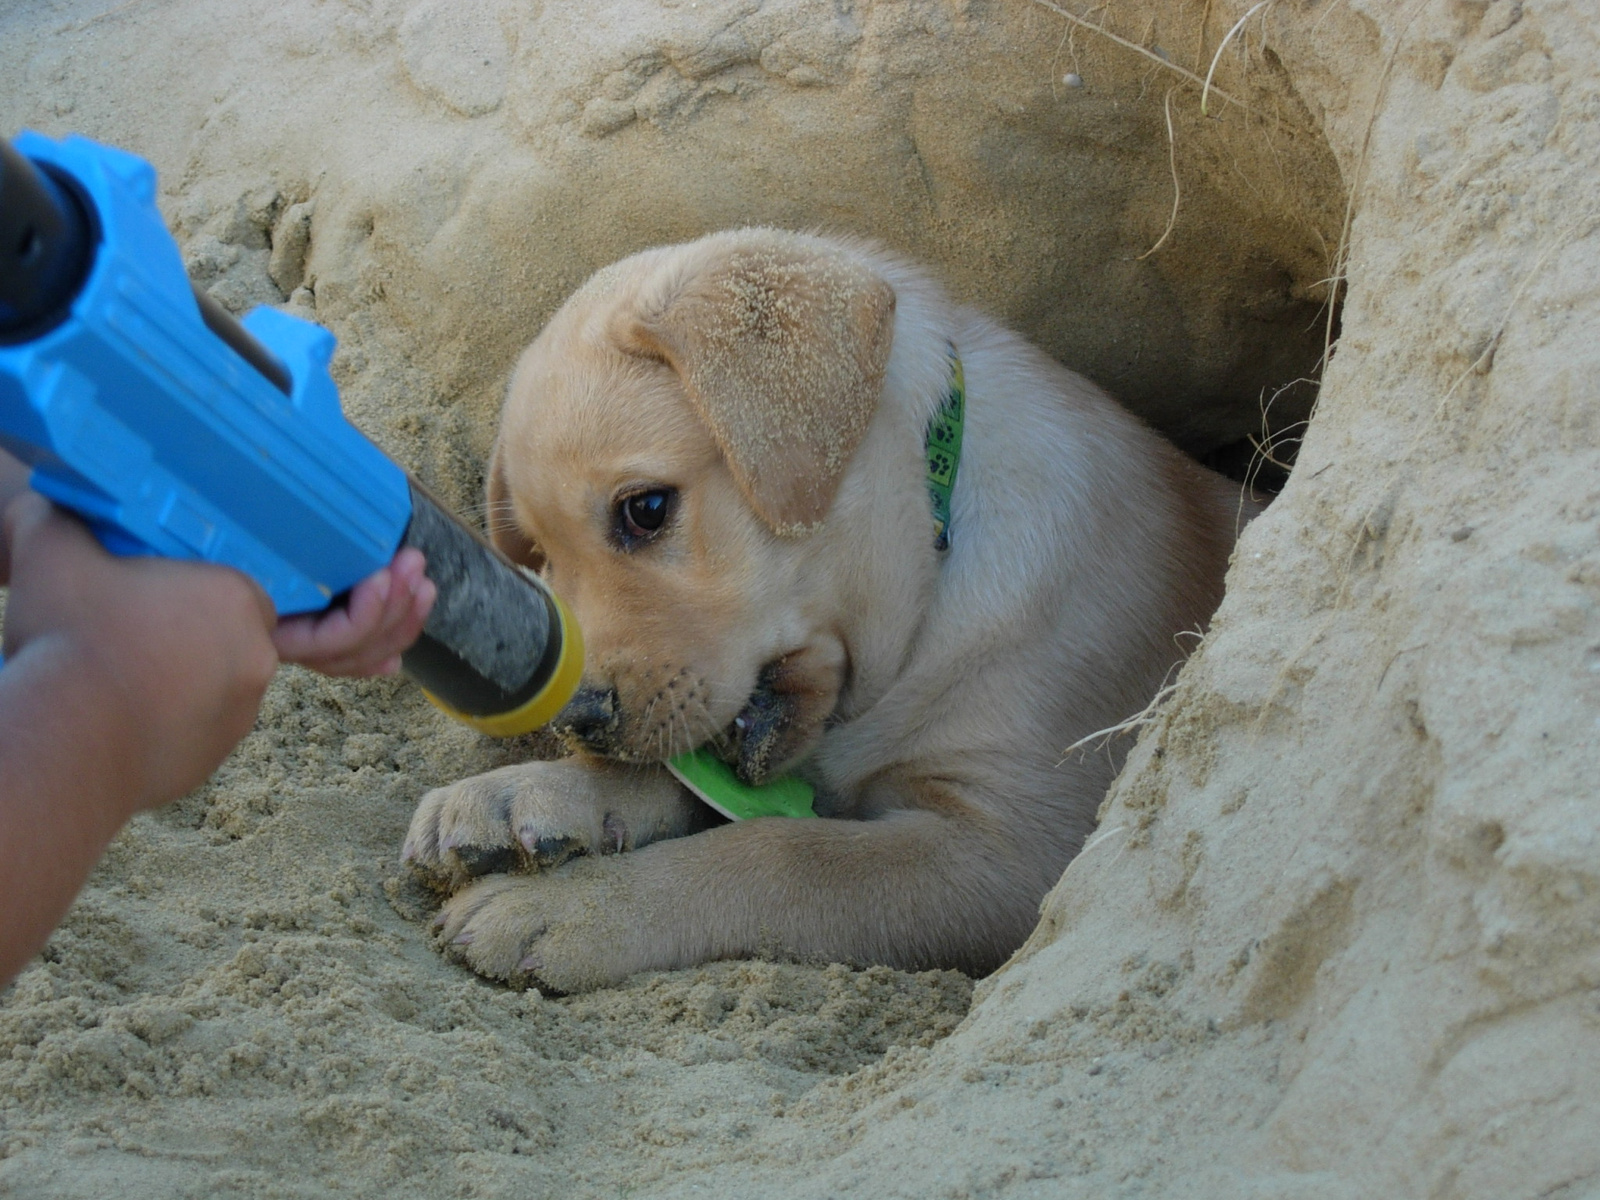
point(494, 643)
point(46, 247)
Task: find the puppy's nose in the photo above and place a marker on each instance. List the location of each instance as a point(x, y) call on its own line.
point(590, 717)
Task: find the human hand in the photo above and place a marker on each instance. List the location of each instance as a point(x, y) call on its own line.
point(173, 656)
point(383, 617)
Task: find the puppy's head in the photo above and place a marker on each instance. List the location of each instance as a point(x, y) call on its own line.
point(670, 445)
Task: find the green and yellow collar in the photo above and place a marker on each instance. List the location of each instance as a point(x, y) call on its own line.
point(943, 445)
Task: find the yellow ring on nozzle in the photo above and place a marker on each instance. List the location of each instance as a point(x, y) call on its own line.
point(547, 702)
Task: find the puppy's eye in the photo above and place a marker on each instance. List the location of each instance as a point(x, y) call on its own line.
point(642, 515)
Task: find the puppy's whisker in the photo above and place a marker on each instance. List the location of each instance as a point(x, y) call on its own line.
point(496, 516)
point(499, 508)
point(664, 733)
point(690, 742)
point(647, 721)
point(712, 734)
point(673, 723)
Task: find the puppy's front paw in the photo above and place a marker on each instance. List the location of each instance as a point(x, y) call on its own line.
point(568, 931)
point(532, 816)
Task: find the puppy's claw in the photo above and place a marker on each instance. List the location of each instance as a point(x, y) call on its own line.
point(464, 938)
point(616, 833)
point(551, 851)
point(486, 860)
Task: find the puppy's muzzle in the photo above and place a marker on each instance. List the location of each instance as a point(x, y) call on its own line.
point(590, 719)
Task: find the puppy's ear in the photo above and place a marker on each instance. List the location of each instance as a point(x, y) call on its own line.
point(781, 346)
point(504, 533)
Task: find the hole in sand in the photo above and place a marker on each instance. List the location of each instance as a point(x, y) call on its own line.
point(1199, 278)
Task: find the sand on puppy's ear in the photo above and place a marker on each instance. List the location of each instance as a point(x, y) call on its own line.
point(781, 345)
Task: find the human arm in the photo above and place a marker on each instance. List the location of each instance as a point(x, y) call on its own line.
point(126, 682)
point(365, 636)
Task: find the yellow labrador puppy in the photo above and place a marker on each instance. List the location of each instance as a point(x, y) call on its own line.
point(718, 455)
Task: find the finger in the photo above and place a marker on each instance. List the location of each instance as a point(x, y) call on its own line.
point(421, 606)
point(344, 631)
point(395, 606)
point(355, 663)
point(302, 639)
point(405, 612)
point(409, 567)
point(415, 596)
point(296, 637)
point(370, 659)
point(321, 639)
point(365, 658)
point(384, 615)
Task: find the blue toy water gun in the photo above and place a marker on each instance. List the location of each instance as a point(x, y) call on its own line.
point(174, 430)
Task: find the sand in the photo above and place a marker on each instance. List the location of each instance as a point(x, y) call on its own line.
point(1337, 934)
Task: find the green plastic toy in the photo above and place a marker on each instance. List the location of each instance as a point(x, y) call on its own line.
point(714, 782)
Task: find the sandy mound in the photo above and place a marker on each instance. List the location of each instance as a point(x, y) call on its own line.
point(1337, 935)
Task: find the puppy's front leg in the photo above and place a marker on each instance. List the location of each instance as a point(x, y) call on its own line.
point(943, 884)
point(540, 814)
